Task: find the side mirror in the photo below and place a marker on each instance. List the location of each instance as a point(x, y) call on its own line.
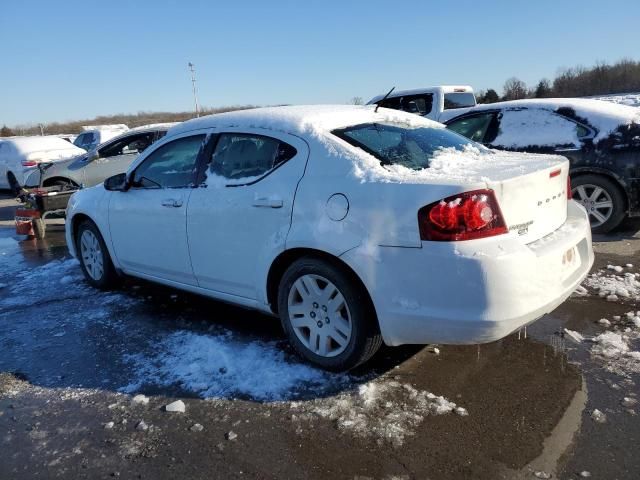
point(117, 183)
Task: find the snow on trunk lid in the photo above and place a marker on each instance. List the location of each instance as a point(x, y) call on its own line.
point(534, 204)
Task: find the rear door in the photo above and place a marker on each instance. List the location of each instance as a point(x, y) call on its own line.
point(148, 222)
point(238, 220)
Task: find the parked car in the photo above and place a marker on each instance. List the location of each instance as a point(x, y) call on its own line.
point(355, 227)
point(20, 155)
point(110, 158)
point(94, 135)
point(602, 141)
point(436, 103)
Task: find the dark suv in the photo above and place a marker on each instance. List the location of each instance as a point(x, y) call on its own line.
point(602, 141)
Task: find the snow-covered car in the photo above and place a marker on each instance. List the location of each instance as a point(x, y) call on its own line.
point(601, 140)
point(20, 155)
point(94, 135)
point(435, 103)
point(354, 226)
point(106, 160)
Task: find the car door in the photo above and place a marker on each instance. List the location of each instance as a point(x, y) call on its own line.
point(4, 150)
point(239, 219)
point(148, 221)
point(115, 157)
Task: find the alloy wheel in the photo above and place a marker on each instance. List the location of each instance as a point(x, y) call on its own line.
point(597, 202)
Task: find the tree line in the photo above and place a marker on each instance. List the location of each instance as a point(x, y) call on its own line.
point(601, 79)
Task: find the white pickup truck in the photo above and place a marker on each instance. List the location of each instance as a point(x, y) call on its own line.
point(436, 103)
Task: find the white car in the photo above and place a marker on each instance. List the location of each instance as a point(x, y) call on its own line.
point(94, 135)
point(19, 156)
point(354, 226)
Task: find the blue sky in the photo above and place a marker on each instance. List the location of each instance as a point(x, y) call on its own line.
point(74, 60)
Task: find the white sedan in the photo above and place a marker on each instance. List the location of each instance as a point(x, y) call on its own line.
point(354, 226)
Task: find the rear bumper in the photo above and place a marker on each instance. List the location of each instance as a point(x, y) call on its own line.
point(476, 291)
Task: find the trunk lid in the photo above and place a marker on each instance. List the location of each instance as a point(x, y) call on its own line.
point(534, 204)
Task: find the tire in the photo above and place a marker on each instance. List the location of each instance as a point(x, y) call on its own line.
point(94, 257)
point(39, 228)
point(14, 186)
point(592, 190)
point(335, 341)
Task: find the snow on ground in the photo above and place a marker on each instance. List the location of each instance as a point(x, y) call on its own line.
point(219, 365)
point(631, 99)
point(385, 410)
point(614, 283)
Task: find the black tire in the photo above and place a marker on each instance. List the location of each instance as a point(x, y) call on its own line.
point(39, 228)
point(109, 277)
point(365, 339)
point(14, 186)
point(611, 189)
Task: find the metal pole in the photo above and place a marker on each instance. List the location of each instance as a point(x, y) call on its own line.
point(193, 84)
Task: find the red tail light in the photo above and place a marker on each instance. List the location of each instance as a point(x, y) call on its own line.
point(569, 193)
point(29, 163)
point(465, 216)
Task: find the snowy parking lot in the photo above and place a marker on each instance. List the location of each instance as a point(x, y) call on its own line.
point(149, 382)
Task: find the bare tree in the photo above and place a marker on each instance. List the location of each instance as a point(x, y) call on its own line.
point(356, 101)
point(514, 89)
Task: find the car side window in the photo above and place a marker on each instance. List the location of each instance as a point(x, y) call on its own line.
point(241, 156)
point(173, 165)
point(132, 145)
point(536, 128)
point(418, 104)
point(473, 127)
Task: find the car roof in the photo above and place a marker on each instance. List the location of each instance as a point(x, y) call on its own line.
point(301, 119)
point(40, 143)
point(418, 91)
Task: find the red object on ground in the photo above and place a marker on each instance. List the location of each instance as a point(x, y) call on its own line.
point(24, 221)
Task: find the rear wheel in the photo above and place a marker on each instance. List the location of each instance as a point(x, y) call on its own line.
point(327, 316)
point(94, 257)
point(603, 200)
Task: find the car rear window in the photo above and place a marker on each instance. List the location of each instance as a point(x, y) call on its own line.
point(459, 100)
point(400, 145)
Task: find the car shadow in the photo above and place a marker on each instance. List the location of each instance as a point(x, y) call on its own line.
point(627, 230)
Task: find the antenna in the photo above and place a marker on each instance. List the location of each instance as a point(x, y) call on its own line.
point(193, 84)
point(383, 99)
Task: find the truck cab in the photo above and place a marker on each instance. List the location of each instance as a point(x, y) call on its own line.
point(435, 103)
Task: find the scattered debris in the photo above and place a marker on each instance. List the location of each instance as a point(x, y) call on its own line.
point(604, 322)
point(196, 427)
point(433, 349)
point(629, 402)
point(598, 416)
point(585, 474)
point(573, 335)
point(142, 426)
point(140, 399)
point(541, 474)
point(177, 406)
point(109, 425)
point(231, 435)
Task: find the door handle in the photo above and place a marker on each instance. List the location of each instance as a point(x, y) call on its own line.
point(172, 202)
point(269, 202)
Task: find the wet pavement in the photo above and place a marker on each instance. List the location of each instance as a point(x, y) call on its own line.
point(72, 360)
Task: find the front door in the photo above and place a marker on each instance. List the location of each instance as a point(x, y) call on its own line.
point(148, 221)
point(241, 216)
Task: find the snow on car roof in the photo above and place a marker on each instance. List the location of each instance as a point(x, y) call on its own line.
point(471, 165)
point(303, 119)
point(38, 144)
point(153, 126)
point(605, 117)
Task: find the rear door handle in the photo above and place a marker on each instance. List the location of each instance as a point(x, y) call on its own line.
point(270, 202)
point(171, 202)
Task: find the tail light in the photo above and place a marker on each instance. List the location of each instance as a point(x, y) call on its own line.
point(466, 216)
point(29, 163)
point(569, 192)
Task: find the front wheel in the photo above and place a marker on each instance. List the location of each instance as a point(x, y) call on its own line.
point(327, 315)
point(94, 257)
point(603, 200)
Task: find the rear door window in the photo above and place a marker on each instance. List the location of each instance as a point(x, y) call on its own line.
point(473, 127)
point(246, 156)
point(421, 104)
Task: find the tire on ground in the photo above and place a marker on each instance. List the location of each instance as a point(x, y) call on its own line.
point(109, 278)
point(613, 190)
point(365, 335)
